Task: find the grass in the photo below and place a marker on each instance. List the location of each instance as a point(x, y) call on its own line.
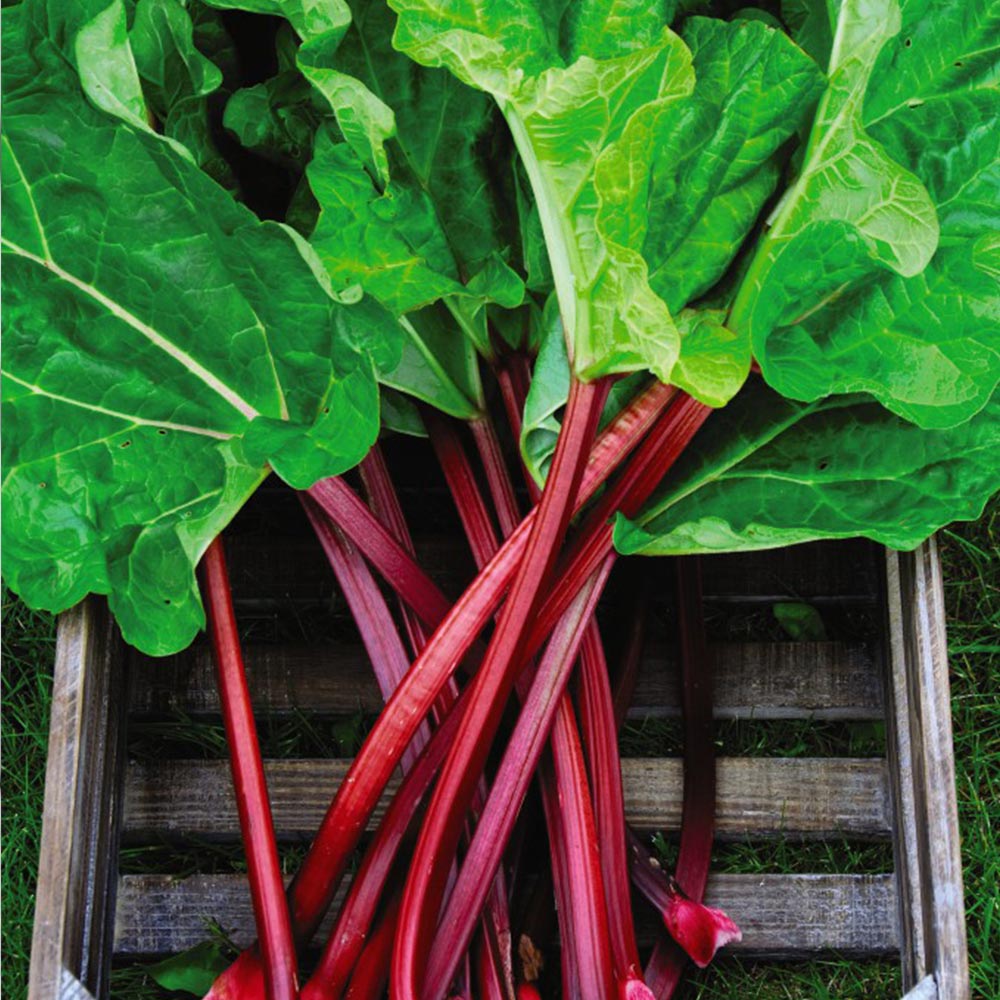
point(28, 647)
point(971, 564)
point(971, 557)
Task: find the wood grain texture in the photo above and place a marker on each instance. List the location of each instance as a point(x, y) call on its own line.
point(70, 988)
point(821, 680)
point(782, 916)
point(765, 797)
point(77, 870)
point(926, 989)
point(922, 765)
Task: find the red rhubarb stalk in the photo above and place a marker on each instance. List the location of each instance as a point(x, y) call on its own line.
point(384, 502)
point(398, 567)
point(601, 731)
point(513, 777)
point(481, 535)
point(351, 929)
point(316, 882)
point(476, 523)
point(371, 613)
point(629, 491)
point(588, 916)
point(267, 889)
point(387, 555)
point(667, 963)
point(597, 719)
point(497, 477)
point(371, 974)
point(492, 684)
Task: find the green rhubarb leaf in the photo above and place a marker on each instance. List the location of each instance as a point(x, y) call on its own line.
point(164, 349)
point(606, 29)
point(437, 228)
point(852, 214)
point(767, 471)
point(107, 66)
point(178, 77)
point(718, 157)
point(567, 110)
point(191, 971)
point(811, 23)
point(388, 241)
point(714, 361)
point(276, 118)
point(400, 414)
point(162, 43)
point(924, 343)
point(801, 621)
point(438, 366)
point(944, 48)
point(365, 122)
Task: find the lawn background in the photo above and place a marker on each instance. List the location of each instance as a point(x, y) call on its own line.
point(971, 560)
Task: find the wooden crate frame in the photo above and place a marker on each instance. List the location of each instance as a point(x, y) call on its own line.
point(84, 909)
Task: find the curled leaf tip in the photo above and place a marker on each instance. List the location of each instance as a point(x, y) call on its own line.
point(700, 930)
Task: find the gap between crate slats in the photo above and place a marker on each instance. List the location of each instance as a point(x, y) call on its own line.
point(276, 569)
point(763, 680)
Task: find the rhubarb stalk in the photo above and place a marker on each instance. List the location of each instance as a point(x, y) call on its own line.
point(491, 687)
point(520, 759)
point(345, 819)
point(267, 889)
point(667, 962)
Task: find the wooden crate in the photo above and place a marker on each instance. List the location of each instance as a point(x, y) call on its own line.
point(97, 800)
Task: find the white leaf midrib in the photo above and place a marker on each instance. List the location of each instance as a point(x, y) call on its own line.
point(154, 336)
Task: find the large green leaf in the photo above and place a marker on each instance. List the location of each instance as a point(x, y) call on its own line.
point(835, 308)
point(439, 366)
point(389, 241)
point(441, 132)
point(567, 110)
point(163, 349)
point(178, 78)
point(718, 156)
point(276, 118)
point(767, 471)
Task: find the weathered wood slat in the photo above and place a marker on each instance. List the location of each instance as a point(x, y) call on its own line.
point(823, 680)
point(922, 765)
point(77, 870)
point(781, 916)
point(280, 569)
point(757, 797)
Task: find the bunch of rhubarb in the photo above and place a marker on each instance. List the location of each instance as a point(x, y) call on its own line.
point(656, 277)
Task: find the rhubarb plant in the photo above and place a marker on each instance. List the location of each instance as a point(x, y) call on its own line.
point(733, 277)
